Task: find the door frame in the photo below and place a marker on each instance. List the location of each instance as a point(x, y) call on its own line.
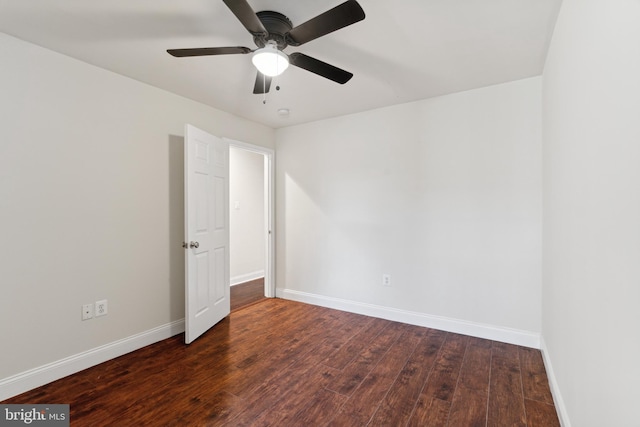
point(269, 215)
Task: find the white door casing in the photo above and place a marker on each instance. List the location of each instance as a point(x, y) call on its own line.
point(206, 231)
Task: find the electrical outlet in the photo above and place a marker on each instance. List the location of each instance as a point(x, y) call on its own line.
point(87, 311)
point(386, 280)
point(101, 308)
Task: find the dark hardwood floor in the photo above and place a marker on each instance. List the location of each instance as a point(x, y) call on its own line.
point(284, 363)
point(247, 293)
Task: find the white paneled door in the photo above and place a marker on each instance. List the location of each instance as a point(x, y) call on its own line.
point(206, 231)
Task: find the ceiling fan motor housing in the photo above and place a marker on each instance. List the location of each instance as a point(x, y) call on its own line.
point(277, 26)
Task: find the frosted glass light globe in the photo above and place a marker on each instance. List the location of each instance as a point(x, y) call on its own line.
point(270, 61)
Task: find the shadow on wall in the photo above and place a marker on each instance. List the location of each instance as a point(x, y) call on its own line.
point(176, 226)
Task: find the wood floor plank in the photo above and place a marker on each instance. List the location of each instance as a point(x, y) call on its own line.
point(260, 389)
point(350, 350)
point(293, 392)
point(262, 332)
point(251, 406)
point(365, 399)
point(469, 404)
point(247, 293)
point(444, 377)
point(305, 339)
point(151, 394)
point(314, 345)
point(288, 347)
point(540, 414)
point(506, 402)
point(266, 390)
point(236, 338)
point(298, 392)
point(474, 372)
point(337, 336)
point(212, 410)
point(468, 408)
point(321, 408)
point(435, 414)
point(398, 404)
point(355, 372)
point(535, 383)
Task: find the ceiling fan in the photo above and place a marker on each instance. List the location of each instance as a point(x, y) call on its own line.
point(273, 32)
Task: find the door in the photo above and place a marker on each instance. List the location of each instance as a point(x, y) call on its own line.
point(206, 231)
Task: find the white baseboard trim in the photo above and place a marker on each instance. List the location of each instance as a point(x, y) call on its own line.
point(236, 280)
point(28, 380)
point(561, 409)
point(480, 330)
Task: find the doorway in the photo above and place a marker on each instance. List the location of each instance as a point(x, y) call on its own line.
point(251, 223)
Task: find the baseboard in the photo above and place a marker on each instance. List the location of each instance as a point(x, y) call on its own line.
point(496, 333)
point(236, 280)
point(25, 381)
point(561, 409)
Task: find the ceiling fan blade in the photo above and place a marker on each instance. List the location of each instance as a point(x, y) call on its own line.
point(204, 51)
point(263, 84)
point(340, 16)
point(320, 68)
point(246, 16)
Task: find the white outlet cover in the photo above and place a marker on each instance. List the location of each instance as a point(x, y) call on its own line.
point(386, 280)
point(87, 311)
point(101, 308)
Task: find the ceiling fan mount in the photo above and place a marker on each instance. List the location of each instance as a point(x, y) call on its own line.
point(273, 30)
point(277, 26)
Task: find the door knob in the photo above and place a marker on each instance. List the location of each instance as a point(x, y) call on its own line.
point(194, 245)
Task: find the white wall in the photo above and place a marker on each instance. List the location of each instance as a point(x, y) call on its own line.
point(591, 267)
point(443, 194)
point(247, 218)
point(91, 203)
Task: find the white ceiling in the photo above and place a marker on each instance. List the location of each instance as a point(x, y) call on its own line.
point(404, 50)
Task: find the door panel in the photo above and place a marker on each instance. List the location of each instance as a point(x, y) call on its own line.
point(206, 231)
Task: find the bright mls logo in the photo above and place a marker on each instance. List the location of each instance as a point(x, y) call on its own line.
point(34, 415)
